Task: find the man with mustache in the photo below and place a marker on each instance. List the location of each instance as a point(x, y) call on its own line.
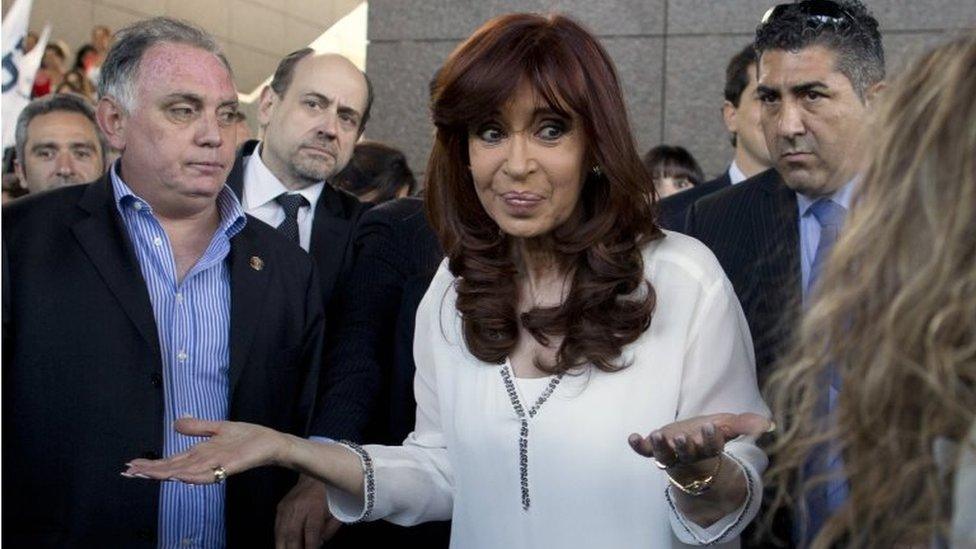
point(312, 113)
point(820, 67)
point(143, 297)
point(58, 143)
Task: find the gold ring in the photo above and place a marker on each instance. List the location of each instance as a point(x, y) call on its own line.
point(220, 474)
point(659, 465)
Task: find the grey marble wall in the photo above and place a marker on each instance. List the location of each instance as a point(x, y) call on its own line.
point(671, 55)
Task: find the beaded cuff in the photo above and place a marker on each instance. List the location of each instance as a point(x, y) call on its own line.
point(370, 490)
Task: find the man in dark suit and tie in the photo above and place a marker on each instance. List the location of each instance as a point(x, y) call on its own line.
point(740, 112)
point(821, 65)
point(312, 113)
point(144, 297)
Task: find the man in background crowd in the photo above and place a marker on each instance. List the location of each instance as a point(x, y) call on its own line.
point(58, 143)
point(821, 65)
point(740, 112)
point(312, 114)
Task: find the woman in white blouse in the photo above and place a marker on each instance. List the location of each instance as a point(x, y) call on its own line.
point(562, 323)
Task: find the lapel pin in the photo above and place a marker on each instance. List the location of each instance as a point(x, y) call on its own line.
point(257, 263)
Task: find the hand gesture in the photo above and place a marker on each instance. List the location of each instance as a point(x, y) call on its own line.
point(688, 447)
point(232, 448)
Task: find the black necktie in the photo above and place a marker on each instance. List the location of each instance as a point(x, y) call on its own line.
point(290, 203)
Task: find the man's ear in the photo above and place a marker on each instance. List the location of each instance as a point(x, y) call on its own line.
point(728, 115)
point(19, 170)
point(112, 119)
point(266, 105)
point(875, 92)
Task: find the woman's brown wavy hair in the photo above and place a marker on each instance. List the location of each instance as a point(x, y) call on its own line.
point(609, 303)
point(896, 320)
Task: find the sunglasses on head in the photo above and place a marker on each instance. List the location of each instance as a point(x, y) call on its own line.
point(822, 11)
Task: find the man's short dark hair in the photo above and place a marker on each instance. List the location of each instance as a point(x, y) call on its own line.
point(737, 78)
point(285, 72)
point(737, 74)
point(855, 39)
point(57, 102)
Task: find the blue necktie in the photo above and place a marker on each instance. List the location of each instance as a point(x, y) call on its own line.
point(830, 215)
point(825, 498)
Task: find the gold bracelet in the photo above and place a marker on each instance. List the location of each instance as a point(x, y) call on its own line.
point(699, 486)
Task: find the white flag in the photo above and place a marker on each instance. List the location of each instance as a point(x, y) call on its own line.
point(19, 68)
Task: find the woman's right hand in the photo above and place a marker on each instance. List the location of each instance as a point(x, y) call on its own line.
point(232, 448)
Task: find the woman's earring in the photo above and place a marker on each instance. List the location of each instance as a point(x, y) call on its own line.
point(597, 171)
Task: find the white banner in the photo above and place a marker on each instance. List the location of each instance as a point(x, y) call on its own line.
point(19, 68)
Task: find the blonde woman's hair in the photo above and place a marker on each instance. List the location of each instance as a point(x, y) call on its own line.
point(896, 319)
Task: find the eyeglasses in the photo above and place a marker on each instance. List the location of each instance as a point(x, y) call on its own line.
point(821, 11)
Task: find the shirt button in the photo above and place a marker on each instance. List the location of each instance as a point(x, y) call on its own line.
point(137, 206)
point(158, 241)
point(182, 356)
point(179, 298)
point(187, 542)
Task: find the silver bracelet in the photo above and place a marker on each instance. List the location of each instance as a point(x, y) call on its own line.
point(367, 463)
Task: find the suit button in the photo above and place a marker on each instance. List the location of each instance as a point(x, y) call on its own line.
point(150, 454)
point(156, 379)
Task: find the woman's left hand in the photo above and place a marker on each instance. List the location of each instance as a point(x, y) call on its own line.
point(690, 447)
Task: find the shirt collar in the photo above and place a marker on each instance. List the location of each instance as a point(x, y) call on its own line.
point(261, 186)
point(232, 217)
point(841, 196)
point(735, 174)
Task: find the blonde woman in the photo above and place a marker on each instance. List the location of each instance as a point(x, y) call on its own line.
point(896, 321)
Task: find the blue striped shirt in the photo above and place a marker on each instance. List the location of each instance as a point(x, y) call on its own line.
point(193, 322)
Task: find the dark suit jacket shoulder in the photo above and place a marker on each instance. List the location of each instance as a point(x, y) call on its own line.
point(673, 210)
point(83, 373)
point(752, 229)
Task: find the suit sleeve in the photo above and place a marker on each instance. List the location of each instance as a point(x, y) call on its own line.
point(360, 335)
point(413, 483)
point(311, 353)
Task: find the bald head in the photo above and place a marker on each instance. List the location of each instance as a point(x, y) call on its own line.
point(313, 112)
point(285, 72)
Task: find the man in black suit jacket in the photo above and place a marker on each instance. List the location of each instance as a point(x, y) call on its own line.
point(820, 67)
point(312, 112)
point(145, 295)
point(740, 112)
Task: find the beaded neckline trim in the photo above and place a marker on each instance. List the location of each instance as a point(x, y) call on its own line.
point(524, 427)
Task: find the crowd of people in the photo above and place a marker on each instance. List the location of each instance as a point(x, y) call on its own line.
point(216, 341)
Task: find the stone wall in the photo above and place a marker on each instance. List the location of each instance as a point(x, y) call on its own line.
point(671, 55)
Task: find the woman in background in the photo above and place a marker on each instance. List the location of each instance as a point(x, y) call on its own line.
point(673, 169)
point(376, 173)
point(897, 323)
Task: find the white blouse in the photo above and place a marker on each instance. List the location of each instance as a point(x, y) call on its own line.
point(586, 486)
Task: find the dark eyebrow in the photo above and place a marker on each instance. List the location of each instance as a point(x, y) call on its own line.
point(805, 87)
point(328, 101)
point(43, 145)
point(766, 90)
point(82, 145)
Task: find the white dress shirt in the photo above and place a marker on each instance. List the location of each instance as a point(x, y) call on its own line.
point(261, 187)
point(588, 487)
point(735, 174)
